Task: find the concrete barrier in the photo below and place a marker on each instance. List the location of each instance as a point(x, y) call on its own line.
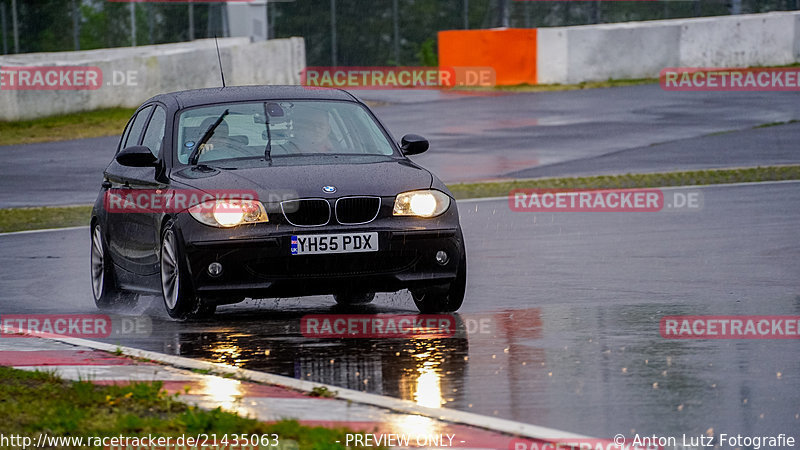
point(739, 41)
point(797, 37)
point(628, 50)
point(642, 49)
point(601, 52)
point(131, 75)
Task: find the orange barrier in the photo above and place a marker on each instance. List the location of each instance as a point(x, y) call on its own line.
point(510, 51)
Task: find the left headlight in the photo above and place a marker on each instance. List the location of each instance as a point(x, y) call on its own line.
point(425, 203)
point(229, 213)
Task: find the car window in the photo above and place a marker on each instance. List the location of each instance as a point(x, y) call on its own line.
point(137, 127)
point(302, 127)
point(154, 136)
point(126, 133)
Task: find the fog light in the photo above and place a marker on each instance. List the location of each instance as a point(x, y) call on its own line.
point(215, 269)
point(441, 257)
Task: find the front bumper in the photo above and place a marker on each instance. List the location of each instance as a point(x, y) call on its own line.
point(257, 262)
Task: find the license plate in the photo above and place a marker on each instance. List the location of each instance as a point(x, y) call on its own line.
point(315, 244)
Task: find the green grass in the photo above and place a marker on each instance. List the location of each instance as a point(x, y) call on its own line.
point(104, 122)
point(693, 178)
point(572, 87)
point(775, 124)
point(35, 403)
point(322, 391)
point(20, 219)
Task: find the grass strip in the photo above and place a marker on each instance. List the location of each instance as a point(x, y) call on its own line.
point(38, 218)
point(103, 122)
point(569, 87)
point(775, 124)
point(37, 403)
point(21, 219)
point(629, 181)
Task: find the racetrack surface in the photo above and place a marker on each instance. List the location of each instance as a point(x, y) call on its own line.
point(492, 135)
point(570, 305)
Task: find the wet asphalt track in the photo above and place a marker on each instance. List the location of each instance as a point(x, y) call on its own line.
point(570, 305)
point(480, 136)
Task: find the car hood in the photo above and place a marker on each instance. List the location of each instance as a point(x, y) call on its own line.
point(384, 178)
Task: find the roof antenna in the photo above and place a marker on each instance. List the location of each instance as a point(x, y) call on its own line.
point(219, 58)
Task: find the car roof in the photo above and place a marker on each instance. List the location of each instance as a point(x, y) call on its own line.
point(197, 97)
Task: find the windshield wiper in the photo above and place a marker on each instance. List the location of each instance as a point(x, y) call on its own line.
point(268, 149)
point(206, 136)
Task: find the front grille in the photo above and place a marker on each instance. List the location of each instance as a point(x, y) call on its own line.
point(357, 210)
point(307, 212)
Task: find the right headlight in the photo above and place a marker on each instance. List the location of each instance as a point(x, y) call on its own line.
point(229, 213)
point(423, 203)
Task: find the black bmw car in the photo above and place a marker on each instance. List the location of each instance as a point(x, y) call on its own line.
point(215, 195)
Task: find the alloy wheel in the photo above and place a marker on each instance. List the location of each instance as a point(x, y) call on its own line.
point(97, 263)
point(170, 273)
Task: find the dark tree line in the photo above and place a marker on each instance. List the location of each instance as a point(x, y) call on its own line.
point(365, 29)
point(54, 25)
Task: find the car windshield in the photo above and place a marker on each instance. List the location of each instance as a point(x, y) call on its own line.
point(279, 129)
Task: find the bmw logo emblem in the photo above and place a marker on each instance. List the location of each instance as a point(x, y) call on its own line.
point(329, 189)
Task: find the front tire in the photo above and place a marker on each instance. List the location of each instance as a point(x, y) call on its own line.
point(445, 298)
point(104, 281)
point(180, 300)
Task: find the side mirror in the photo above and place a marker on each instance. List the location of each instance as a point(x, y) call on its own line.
point(413, 144)
point(137, 156)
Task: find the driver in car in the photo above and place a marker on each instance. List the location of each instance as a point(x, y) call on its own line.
point(313, 133)
point(221, 139)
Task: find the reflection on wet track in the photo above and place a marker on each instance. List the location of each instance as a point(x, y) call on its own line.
point(429, 371)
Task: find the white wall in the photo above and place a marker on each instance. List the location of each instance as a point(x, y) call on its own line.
point(642, 49)
point(154, 69)
point(739, 41)
point(797, 37)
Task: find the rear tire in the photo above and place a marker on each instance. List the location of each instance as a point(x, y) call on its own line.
point(105, 291)
point(178, 293)
point(351, 298)
point(445, 298)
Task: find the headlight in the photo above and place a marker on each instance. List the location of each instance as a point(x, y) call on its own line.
point(427, 203)
point(229, 213)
